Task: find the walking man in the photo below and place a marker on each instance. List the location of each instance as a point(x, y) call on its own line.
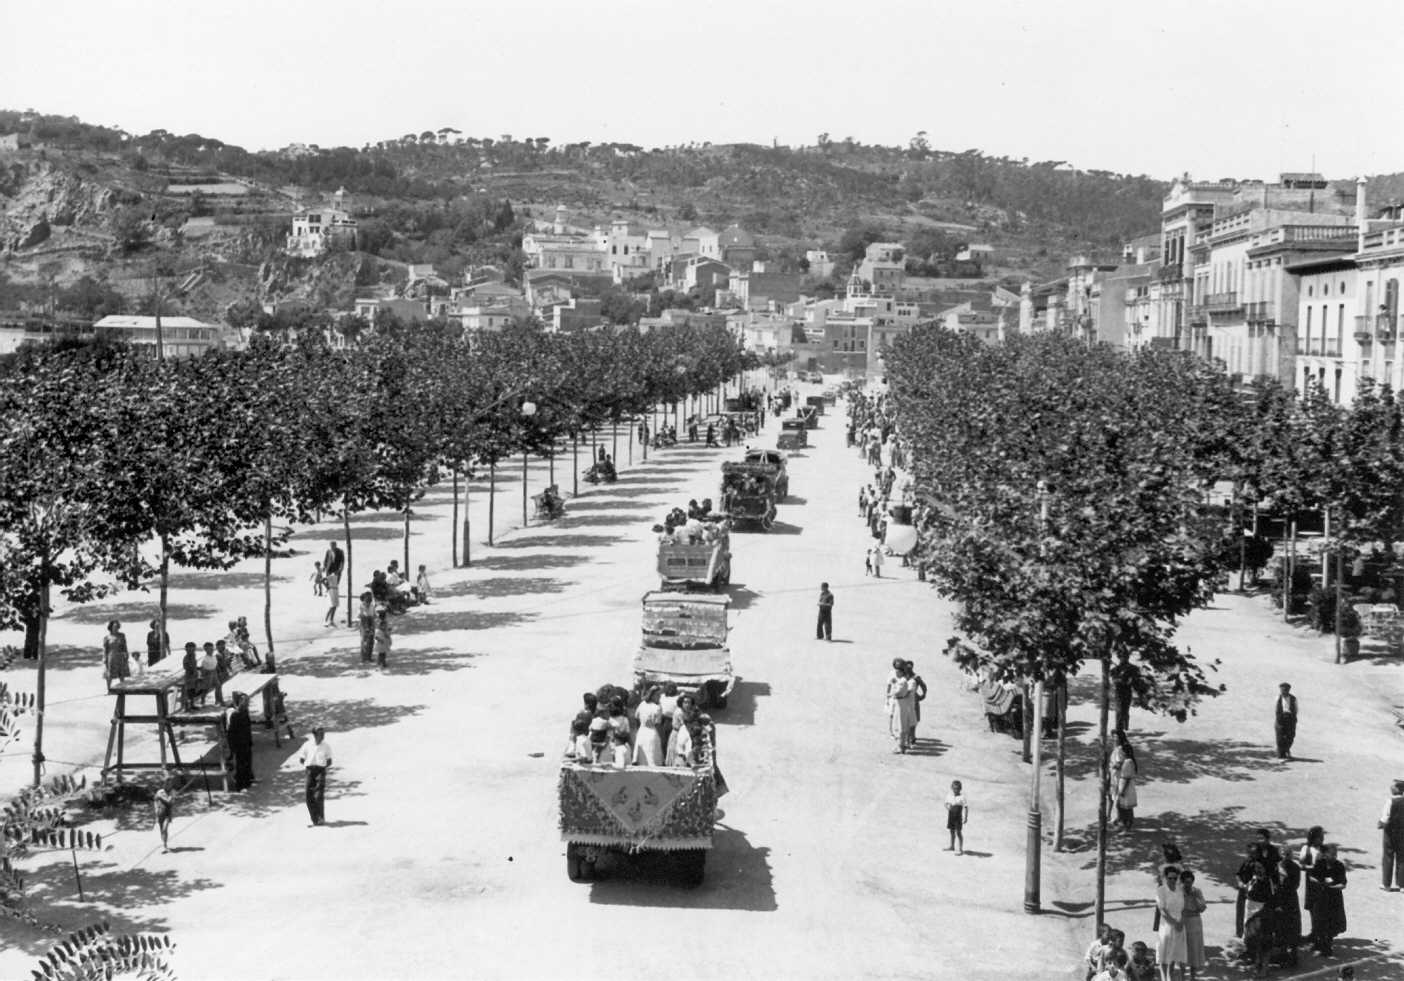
point(332, 565)
point(316, 758)
point(1392, 845)
point(824, 629)
point(1286, 721)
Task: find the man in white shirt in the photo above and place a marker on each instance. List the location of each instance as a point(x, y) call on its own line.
point(316, 757)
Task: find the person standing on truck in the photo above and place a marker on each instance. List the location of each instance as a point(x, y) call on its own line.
point(824, 629)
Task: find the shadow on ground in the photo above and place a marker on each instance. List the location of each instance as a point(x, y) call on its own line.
point(1214, 842)
point(345, 662)
point(131, 900)
point(560, 541)
point(389, 518)
point(213, 580)
point(738, 878)
point(374, 533)
point(136, 614)
point(594, 503)
point(422, 621)
point(496, 587)
point(525, 563)
point(580, 521)
point(1183, 760)
point(742, 598)
point(741, 706)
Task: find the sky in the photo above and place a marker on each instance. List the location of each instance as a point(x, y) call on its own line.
point(1214, 88)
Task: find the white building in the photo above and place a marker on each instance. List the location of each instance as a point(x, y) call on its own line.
point(318, 229)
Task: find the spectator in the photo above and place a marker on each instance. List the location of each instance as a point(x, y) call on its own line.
point(1124, 770)
point(1194, 923)
point(240, 731)
point(164, 805)
point(158, 643)
point(421, 584)
point(116, 662)
point(1328, 916)
point(316, 758)
point(957, 817)
point(365, 617)
point(824, 629)
point(382, 637)
point(333, 563)
point(1392, 839)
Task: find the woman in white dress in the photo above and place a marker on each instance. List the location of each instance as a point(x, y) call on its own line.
point(902, 713)
point(1172, 949)
point(648, 744)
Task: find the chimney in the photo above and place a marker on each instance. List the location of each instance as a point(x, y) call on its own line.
point(1360, 214)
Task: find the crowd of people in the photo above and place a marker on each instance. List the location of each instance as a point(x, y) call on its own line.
point(620, 728)
point(1275, 887)
point(698, 525)
point(206, 667)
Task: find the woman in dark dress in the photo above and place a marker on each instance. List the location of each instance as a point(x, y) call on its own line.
point(1306, 860)
point(1328, 916)
point(1289, 914)
point(241, 741)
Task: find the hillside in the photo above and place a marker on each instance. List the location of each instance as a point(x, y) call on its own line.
point(84, 200)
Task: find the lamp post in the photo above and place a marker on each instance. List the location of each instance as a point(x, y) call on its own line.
point(1034, 844)
point(528, 410)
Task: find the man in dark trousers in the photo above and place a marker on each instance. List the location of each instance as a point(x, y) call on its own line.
point(1127, 683)
point(824, 629)
point(333, 564)
point(1286, 721)
point(1392, 845)
point(316, 758)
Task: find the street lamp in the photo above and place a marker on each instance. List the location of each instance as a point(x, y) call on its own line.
point(528, 410)
point(1034, 845)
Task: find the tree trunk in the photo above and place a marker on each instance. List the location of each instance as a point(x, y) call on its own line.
point(346, 524)
point(492, 498)
point(524, 488)
point(454, 526)
point(467, 523)
point(574, 463)
point(407, 520)
point(165, 587)
point(1104, 790)
point(41, 671)
point(268, 584)
point(1062, 707)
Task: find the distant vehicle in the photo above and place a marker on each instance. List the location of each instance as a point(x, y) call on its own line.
point(817, 377)
point(816, 402)
point(778, 460)
point(794, 434)
point(748, 493)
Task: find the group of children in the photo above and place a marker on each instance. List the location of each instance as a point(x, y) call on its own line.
point(206, 672)
point(1109, 960)
point(664, 728)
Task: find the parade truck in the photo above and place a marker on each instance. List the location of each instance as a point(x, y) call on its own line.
point(684, 640)
point(748, 493)
point(670, 810)
point(778, 460)
point(703, 565)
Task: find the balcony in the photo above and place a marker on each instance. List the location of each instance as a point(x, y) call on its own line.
point(1385, 326)
point(1380, 327)
point(1198, 316)
point(1260, 312)
point(1222, 302)
point(1331, 349)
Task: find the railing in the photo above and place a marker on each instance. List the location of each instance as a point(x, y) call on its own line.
point(1198, 316)
point(1385, 326)
point(1312, 348)
point(1331, 349)
point(1260, 311)
point(1222, 302)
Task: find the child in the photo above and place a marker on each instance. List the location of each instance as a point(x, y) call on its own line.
point(868, 562)
point(578, 749)
point(957, 816)
point(421, 583)
point(1142, 964)
point(209, 675)
point(318, 582)
point(382, 637)
point(621, 749)
point(164, 804)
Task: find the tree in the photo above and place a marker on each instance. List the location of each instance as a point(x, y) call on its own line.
point(687, 211)
point(919, 146)
point(131, 230)
point(1126, 447)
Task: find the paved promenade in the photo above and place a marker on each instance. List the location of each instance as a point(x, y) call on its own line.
point(441, 856)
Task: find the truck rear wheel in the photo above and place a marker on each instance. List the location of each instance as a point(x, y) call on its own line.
point(577, 867)
point(692, 867)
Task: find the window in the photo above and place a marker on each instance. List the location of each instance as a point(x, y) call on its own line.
point(1309, 291)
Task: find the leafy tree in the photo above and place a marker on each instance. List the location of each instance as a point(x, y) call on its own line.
point(1118, 552)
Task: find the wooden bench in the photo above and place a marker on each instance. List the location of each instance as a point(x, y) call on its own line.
point(163, 686)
